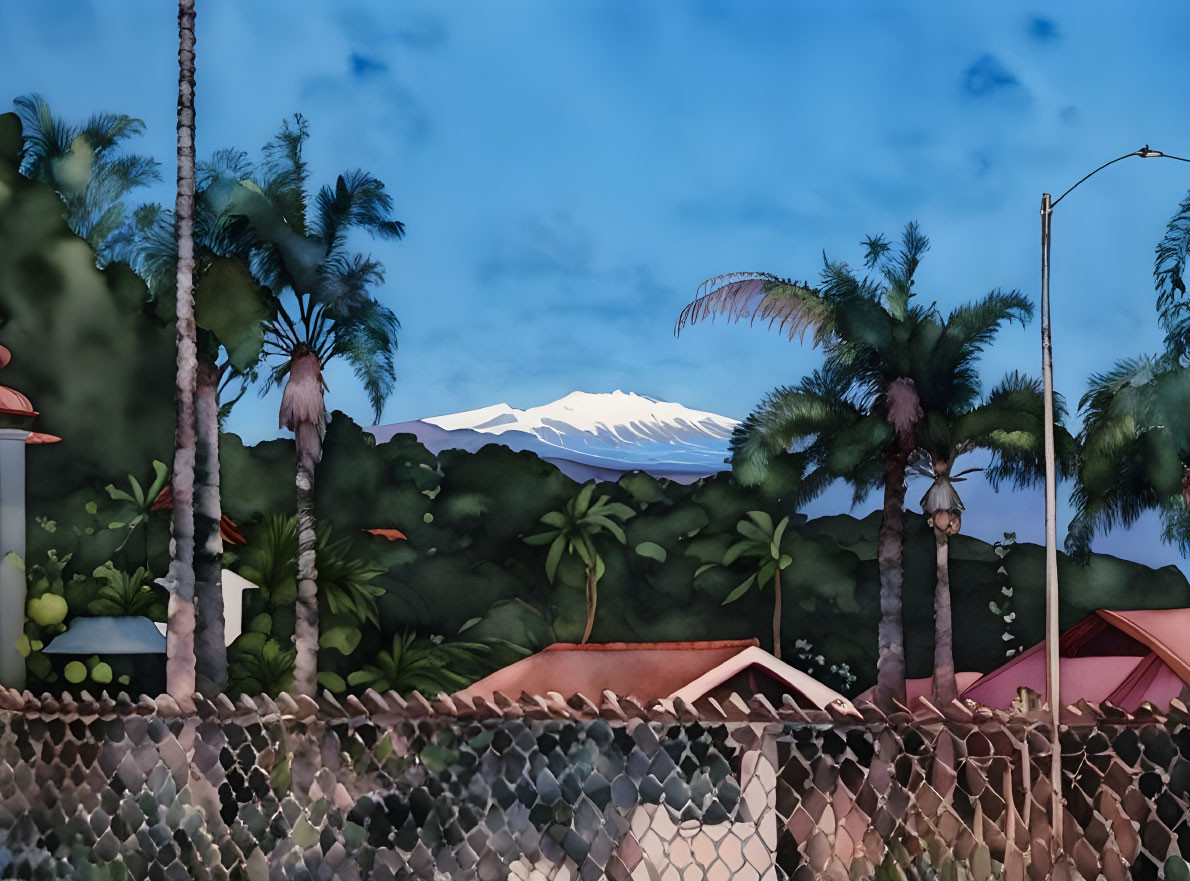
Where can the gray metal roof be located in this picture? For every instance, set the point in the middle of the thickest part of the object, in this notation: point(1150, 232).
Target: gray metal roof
point(109, 636)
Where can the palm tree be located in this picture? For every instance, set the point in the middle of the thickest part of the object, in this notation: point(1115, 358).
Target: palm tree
point(1135, 452)
point(761, 540)
point(179, 656)
point(888, 361)
point(230, 309)
point(1136, 437)
point(85, 166)
point(324, 310)
point(1008, 424)
point(573, 531)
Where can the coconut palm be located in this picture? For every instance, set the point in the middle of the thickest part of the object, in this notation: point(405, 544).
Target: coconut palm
point(574, 531)
point(761, 541)
point(888, 361)
point(1135, 452)
point(87, 168)
point(1009, 425)
point(324, 310)
point(179, 655)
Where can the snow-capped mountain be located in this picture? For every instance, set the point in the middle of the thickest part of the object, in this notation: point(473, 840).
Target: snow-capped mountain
point(588, 435)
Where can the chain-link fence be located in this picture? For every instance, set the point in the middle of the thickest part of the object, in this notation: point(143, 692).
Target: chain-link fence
point(546, 789)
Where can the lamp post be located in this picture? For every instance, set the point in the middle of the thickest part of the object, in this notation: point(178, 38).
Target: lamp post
point(1052, 629)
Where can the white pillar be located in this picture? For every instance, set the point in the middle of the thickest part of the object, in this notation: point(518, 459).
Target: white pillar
point(12, 540)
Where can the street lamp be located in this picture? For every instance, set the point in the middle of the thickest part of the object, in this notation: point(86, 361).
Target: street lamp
point(1052, 631)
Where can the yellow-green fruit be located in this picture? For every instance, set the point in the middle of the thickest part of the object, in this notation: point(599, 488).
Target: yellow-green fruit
point(102, 673)
point(47, 609)
point(76, 672)
point(24, 646)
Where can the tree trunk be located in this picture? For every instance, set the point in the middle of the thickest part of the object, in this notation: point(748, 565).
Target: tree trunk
point(210, 641)
point(592, 599)
point(890, 660)
point(945, 687)
point(777, 614)
point(303, 411)
point(179, 655)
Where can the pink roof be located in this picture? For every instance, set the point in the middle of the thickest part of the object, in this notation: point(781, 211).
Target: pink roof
point(1124, 679)
point(648, 671)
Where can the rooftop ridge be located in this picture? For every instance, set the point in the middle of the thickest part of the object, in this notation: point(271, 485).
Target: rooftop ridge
point(697, 645)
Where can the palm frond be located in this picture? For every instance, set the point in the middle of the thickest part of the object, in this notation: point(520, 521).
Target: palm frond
point(104, 131)
point(367, 338)
point(1169, 267)
point(286, 173)
point(785, 417)
point(358, 200)
point(227, 162)
point(794, 307)
point(45, 136)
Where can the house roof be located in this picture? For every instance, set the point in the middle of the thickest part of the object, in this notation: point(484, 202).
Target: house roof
point(134, 635)
point(1121, 657)
point(647, 671)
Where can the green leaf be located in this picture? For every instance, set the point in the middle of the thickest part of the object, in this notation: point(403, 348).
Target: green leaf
point(583, 500)
point(754, 532)
point(653, 551)
point(543, 538)
point(91, 508)
point(15, 559)
point(775, 546)
point(600, 568)
point(344, 638)
point(766, 572)
point(703, 568)
point(737, 550)
point(614, 509)
point(118, 494)
point(469, 623)
point(554, 557)
point(161, 475)
point(137, 491)
point(763, 520)
point(784, 561)
point(610, 525)
point(332, 682)
point(740, 591)
point(554, 518)
point(228, 302)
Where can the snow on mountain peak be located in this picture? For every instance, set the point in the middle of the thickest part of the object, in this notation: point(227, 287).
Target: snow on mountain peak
point(609, 432)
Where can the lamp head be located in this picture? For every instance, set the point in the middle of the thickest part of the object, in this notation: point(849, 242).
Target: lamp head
point(1145, 153)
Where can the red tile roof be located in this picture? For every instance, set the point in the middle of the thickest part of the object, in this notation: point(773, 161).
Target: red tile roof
point(649, 671)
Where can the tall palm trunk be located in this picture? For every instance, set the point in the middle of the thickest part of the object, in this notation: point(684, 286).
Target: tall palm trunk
point(777, 614)
point(592, 599)
point(303, 411)
point(904, 412)
point(210, 642)
point(179, 654)
point(890, 660)
point(945, 687)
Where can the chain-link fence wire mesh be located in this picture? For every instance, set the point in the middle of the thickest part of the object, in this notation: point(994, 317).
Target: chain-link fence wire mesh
point(88, 791)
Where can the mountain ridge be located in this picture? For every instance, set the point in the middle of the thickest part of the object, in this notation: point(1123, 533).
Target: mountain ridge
point(588, 434)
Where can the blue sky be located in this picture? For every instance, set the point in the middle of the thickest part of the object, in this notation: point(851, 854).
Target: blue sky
point(569, 172)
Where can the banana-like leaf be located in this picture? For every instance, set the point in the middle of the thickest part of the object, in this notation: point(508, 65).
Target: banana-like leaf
point(543, 538)
point(609, 525)
point(739, 549)
point(775, 545)
point(763, 520)
point(740, 590)
point(554, 518)
point(555, 557)
point(754, 532)
point(583, 500)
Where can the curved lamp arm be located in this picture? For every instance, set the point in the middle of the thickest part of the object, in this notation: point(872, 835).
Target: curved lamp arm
point(1144, 153)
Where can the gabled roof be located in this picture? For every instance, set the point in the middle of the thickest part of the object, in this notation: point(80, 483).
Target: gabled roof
point(649, 671)
point(1121, 657)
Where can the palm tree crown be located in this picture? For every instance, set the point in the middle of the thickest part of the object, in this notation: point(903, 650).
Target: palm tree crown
point(87, 168)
